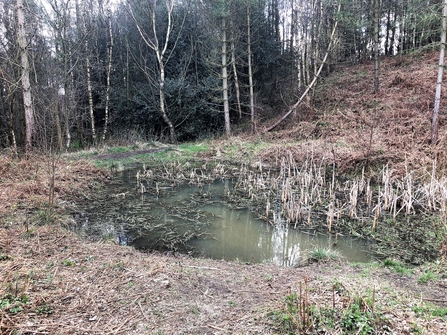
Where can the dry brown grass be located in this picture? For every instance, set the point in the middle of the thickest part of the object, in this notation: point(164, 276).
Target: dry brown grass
point(25, 182)
point(352, 126)
point(60, 284)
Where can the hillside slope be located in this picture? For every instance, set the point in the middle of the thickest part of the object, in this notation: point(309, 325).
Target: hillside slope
point(350, 124)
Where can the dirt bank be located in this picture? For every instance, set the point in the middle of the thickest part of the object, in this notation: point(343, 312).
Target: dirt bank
point(57, 283)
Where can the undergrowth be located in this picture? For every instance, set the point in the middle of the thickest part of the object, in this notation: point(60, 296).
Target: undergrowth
point(347, 313)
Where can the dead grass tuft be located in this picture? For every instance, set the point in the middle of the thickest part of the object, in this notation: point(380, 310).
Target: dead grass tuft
point(25, 182)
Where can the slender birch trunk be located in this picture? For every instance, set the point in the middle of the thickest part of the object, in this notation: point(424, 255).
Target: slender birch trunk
point(89, 82)
point(250, 73)
point(376, 44)
point(25, 74)
point(109, 71)
point(236, 81)
point(225, 79)
point(435, 116)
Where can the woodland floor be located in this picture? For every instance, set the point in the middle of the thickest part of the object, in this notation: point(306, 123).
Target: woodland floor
point(53, 282)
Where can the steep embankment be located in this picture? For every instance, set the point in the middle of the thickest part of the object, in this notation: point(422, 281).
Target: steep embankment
point(349, 124)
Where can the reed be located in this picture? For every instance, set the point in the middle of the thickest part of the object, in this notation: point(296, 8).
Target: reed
point(310, 193)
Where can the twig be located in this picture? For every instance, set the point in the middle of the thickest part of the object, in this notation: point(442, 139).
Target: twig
point(121, 326)
point(200, 267)
point(142, 312)
point(217, 328)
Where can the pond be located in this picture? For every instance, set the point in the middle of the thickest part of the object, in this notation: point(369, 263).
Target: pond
point(198, 221)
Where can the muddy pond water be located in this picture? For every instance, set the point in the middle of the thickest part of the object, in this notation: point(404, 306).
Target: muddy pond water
point(197, 220)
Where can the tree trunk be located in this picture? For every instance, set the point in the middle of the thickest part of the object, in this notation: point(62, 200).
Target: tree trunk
point(25, 73)
point(236, 81)
point(163, 104)
point(89, 82)
point(10, 120)
point(109, 71)
point(225, 80)
point(57, 121)
point(393, 31)
point(376, 44)
point(435, 116)
point(250, 73)
point(388, 28)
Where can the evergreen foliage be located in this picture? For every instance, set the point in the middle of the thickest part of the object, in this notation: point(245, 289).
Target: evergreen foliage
point(288, 39)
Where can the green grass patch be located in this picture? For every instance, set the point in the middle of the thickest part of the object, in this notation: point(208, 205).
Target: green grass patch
point(44, 310)
point(13, 304)
point(68, 262)
point(397, 266)
point(321, 255)
point(119, 149)
point(299, 316)
point(430, 311)
point(181, 152)
point(426, 276)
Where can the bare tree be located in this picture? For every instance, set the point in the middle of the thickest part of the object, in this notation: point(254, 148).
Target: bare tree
point(25, 75)
point(435, 115)
point(376, 44)
point(159, 45)
point(109, 71)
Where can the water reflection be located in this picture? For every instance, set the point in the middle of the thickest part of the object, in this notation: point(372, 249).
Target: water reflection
point(238, 235)
point(231, 234)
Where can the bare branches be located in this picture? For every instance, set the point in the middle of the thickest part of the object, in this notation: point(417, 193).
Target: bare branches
point(314, 79)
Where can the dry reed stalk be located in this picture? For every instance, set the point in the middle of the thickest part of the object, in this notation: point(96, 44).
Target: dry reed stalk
point(362, 182)
point(267, 210)
point(330, 216)
point(386, 182)
point(369, 194)
point(353, 198)
point(137, 177)
point(376, 211)
point(395, 198)
point(309, 215)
